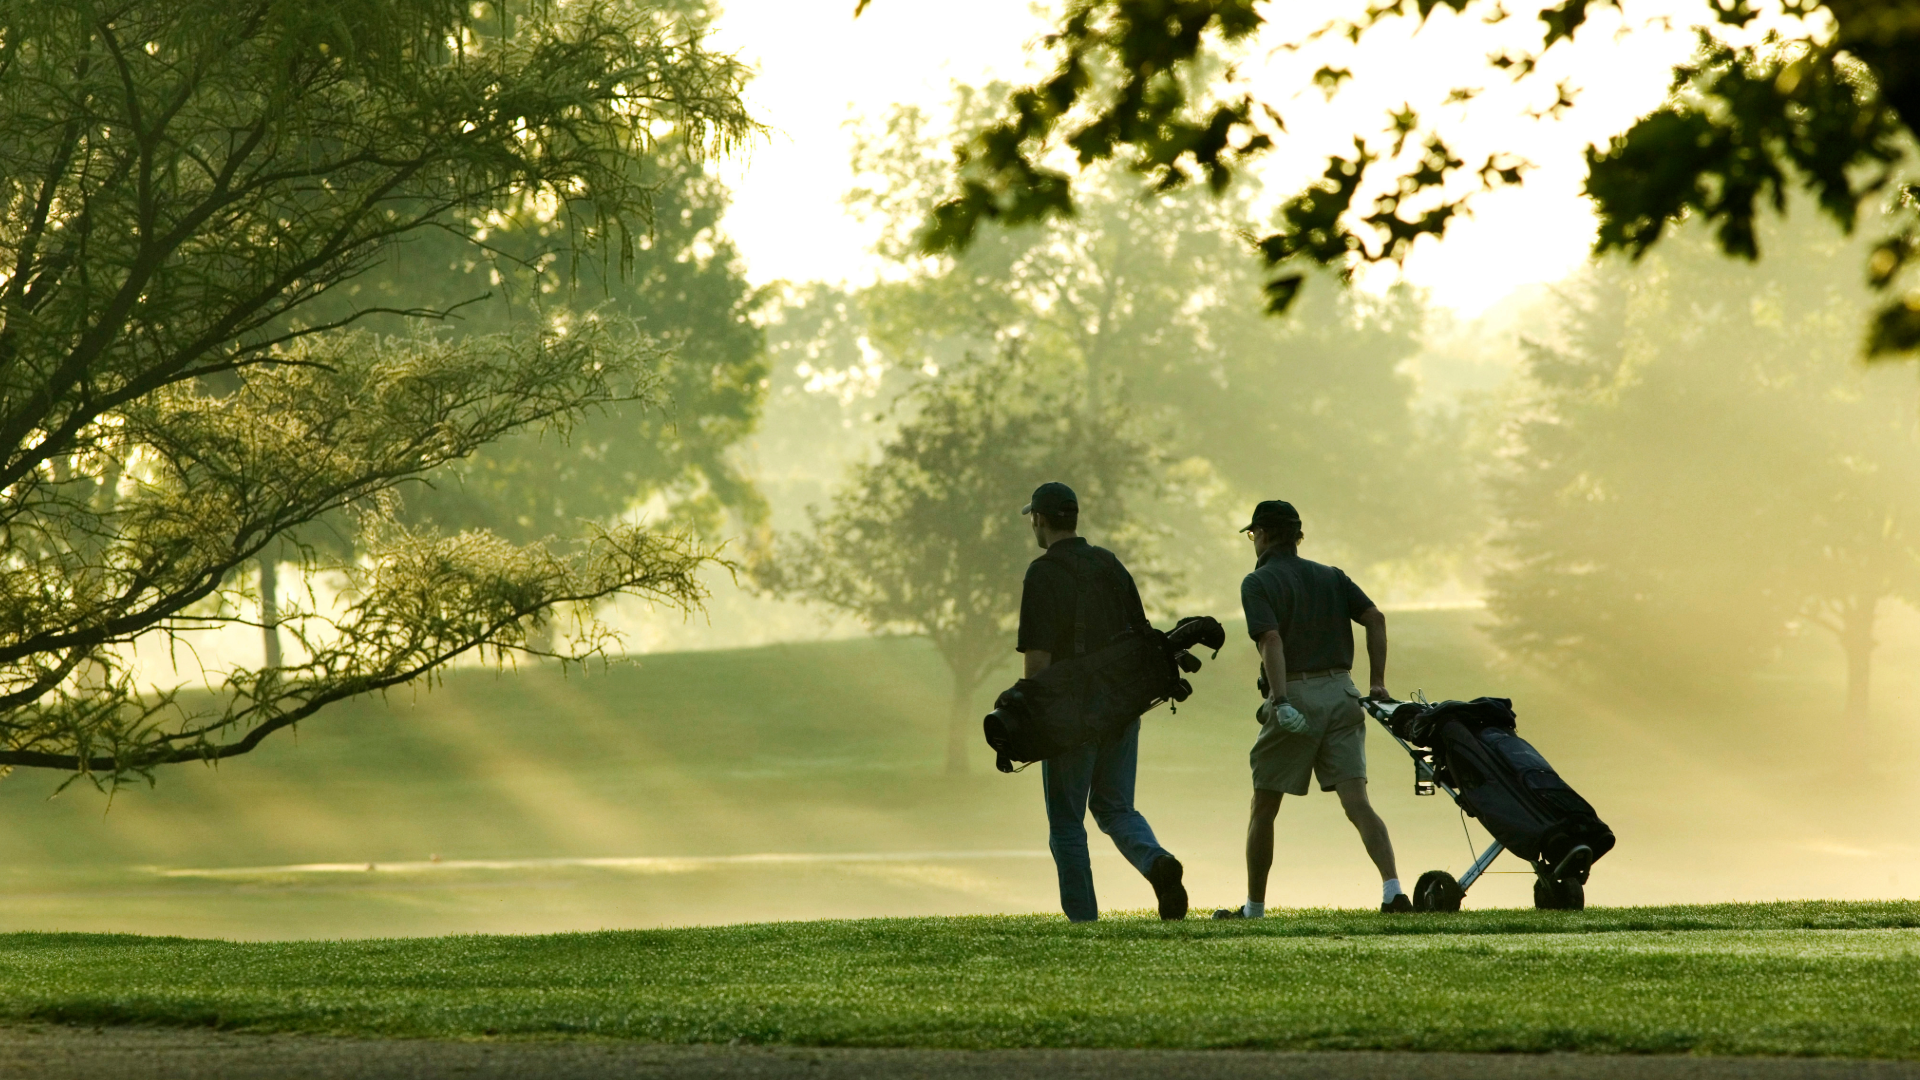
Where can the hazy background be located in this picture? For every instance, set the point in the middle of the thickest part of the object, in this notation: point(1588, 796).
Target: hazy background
point(1662, 507)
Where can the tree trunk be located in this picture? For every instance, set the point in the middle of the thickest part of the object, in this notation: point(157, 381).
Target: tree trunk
point(960, 728)
point(270, 609)
point(1856, 640)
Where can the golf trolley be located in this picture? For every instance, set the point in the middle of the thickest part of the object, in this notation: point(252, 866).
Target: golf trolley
point(1505, 804)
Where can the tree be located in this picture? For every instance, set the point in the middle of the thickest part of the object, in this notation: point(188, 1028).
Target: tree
point(181, 182)
point(682, 285)
point(1698, 468)
point(1824, 99)
point(1151, 298)
point(926, 538)
point(828, 394)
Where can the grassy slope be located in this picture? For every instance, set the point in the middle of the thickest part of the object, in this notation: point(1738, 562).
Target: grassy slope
point(1723, 980)
point(835, 747)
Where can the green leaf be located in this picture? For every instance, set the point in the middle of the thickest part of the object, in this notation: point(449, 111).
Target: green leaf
point(1282, 291)
point(1895, 331)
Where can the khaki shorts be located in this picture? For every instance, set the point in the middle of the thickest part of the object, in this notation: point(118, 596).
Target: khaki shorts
point(1334, 746)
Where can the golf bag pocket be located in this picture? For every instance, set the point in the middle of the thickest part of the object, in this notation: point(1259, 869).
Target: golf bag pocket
point(1506, 783)
point(1031, 722)
point(1537, 776)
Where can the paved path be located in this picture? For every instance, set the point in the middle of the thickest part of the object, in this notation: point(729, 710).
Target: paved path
point(56, 1053)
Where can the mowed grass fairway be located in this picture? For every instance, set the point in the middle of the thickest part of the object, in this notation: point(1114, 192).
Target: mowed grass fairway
point(1793, 978)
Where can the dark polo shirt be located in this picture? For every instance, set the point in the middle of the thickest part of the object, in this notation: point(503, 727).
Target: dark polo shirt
point(1052, 590)
point(1313, 606)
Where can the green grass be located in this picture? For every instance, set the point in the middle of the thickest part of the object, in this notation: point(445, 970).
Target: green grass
point(1788, 978)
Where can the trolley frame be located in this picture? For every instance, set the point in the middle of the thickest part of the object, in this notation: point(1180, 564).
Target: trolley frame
point(1382, 710)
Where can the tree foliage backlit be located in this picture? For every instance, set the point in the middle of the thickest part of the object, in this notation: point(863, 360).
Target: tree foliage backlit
point(1820, 95)
point(179, 182)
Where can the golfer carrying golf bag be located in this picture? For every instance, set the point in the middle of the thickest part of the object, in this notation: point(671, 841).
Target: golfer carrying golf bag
point(1100, 772)
point(1299, 614)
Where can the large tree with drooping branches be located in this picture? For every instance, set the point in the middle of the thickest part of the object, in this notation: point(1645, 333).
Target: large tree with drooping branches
point(182, 182)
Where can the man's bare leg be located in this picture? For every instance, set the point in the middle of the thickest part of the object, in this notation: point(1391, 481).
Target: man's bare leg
point(1373, 831)
point(1266, 804)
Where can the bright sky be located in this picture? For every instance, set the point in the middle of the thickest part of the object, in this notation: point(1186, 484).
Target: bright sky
point(820, 67)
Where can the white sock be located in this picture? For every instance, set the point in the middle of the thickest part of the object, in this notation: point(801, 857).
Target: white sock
point(1390, 889)
point(1254, 909)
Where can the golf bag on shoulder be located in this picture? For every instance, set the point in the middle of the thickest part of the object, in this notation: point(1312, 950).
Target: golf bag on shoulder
point(1091, 694)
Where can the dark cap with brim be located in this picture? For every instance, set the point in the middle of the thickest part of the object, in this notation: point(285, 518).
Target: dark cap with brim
point(1273, 514)
point(1052, 498)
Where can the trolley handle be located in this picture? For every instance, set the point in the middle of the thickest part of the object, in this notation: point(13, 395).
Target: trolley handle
point(1380, 708)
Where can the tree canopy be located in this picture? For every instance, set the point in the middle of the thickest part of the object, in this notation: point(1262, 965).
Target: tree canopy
point(1822, 96)
point(1151, 300)
point(682, 286)
point(182, 181)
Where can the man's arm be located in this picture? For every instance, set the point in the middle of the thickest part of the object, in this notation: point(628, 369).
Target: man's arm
point(1273, 654)
point(1036, 620)
point(1135, 612)
point(1376, 623)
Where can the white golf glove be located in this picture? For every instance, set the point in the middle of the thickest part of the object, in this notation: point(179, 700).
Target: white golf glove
point(1291, 720)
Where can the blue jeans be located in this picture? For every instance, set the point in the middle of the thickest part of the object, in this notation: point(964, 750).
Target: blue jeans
point(1098, 774)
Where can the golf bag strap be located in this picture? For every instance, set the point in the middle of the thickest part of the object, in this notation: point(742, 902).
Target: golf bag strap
point(1080, 607)
point(1084, 581)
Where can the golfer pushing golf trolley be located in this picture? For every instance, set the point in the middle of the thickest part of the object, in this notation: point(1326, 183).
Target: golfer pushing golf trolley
point(1469, 749)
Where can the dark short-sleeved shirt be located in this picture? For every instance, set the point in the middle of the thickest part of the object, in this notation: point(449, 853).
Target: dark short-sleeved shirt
point(1049, 598)
point(1313, 606)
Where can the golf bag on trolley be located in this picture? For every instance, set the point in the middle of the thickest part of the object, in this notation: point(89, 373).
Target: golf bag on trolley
point(1499, 778)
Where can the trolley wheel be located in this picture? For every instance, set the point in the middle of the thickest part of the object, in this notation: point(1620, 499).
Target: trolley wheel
point(1550, 895)
point(1437, 891)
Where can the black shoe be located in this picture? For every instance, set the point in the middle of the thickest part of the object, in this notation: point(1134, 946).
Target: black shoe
point(1164, 876)
point(1398, 904)
point(1230, 913)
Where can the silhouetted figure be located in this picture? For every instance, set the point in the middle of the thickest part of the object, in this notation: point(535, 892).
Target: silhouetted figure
point(1298, 614)
point(1099, 773)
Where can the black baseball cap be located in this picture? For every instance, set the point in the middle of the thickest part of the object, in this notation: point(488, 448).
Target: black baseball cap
point(1271, 515)
point(1052, 497)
